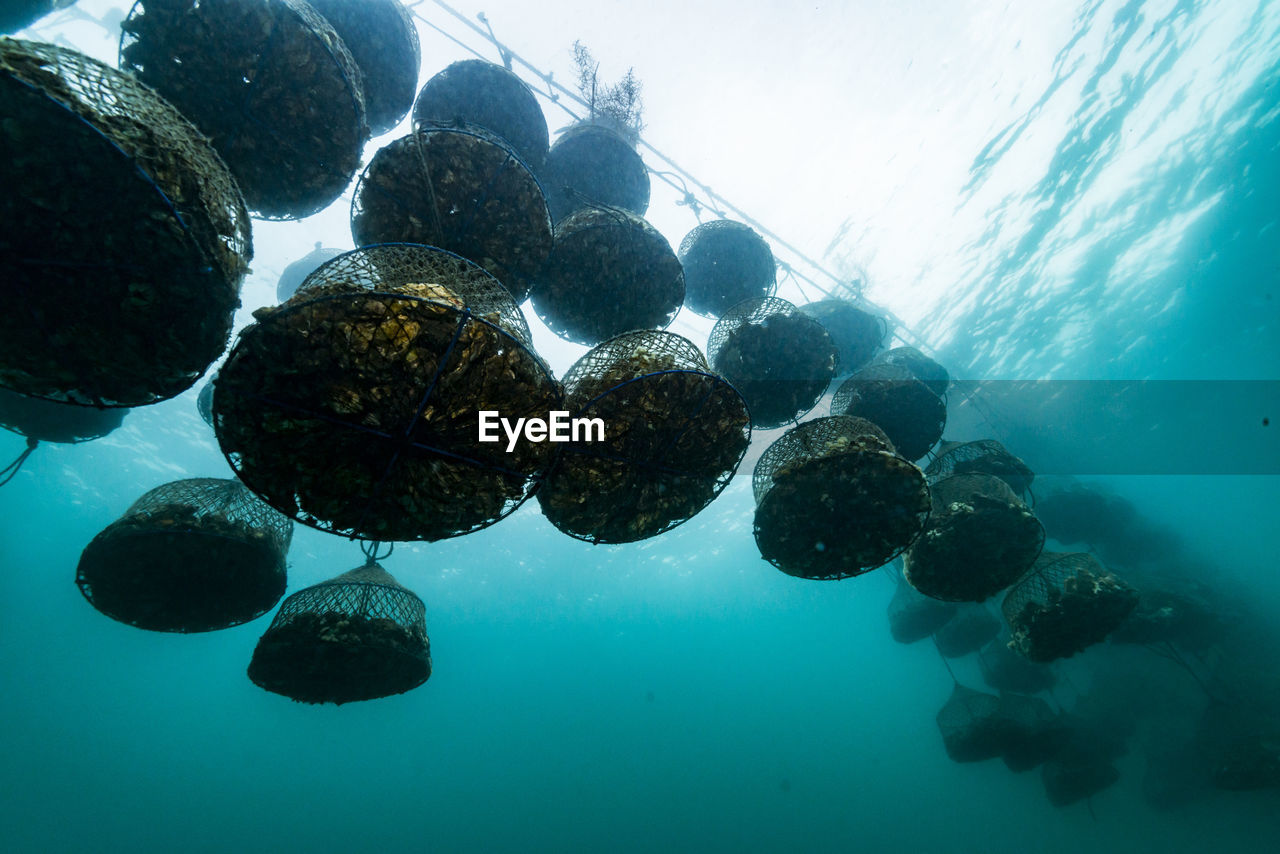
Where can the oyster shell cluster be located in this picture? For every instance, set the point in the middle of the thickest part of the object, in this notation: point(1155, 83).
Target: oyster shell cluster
point(1073, 616)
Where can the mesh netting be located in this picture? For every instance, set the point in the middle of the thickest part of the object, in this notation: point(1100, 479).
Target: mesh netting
point(1036, 733)
point(725, 262)
point(593, 165)
point(609, 272)
point(778, 359)
point(1023, 731)
point(674, 434)
point(914, 616)
point(356, 637)
point(1005, 670)
point(1065, 604)
point(981, 538)
point(910, 414)
point(355, 406)
point(204, 402)
point(1250, 762)
point(483, 93)
point(966, 632)
point(857, 331)
point(971, 725)
point(189, 556)
point(125, 237)
point(268, 81)
point(19, 14)
point(297, 272)
point(834, 501)
point(921, 367)
point(50, 421)
point(384, 44)
point(1070, 778)
point(461, 189)
point(985, 456)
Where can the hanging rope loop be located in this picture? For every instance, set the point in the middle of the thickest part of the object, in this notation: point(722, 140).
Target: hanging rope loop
point(373, 553)
point(10, 471)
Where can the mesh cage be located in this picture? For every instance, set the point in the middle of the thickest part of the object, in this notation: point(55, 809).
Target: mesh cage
point(395, 267)
point(857, 331)
point(778, 359)
point(1006, 671)
point(834, 501)
point(966, 632)
point(980, 539)
point(921, 367)
point(889, 395)
point(674, 434)
point(49, 421)
point(19, 14)
point(1067, 602)
point(189, 556)
point(1036, 733)
point(126, 238)
point(609, 272)
point(355, 407)
point(297, 272)
point(268, 81)
point(358, 636)
point(1070, 777)
point(485, 94)
point(985, 456)
point(592, 165)
point(971, 725)
point(725, 262)
point(461, 189)
point(914, 616)
point(204, 403)
point(384, 44)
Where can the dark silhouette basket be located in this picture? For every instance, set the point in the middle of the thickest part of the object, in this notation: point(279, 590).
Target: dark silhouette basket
point(354, 407)
point(674, 436)
point(384, 44)
point(359, 636)
point(127, 237)
point(725, 262)
point(461, 189)
point(189, 556)
point(833, 500)
point(270, 83)
point(592, 165)
point(891, 397)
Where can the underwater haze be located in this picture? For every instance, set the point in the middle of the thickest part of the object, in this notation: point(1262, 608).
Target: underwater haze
point(1081, 197)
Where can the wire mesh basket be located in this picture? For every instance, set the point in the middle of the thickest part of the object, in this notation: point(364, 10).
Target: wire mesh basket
point(914, 616)
point(49, 421)
point(384, 44)
point(778, 359)
point(461, 189)
point(592, 165)
point(355, 407)
point(1007, 671)
point(482, 93)
point(270, 83)
point(834, 501)
point(1066, 603)
point(673, 436)
point(725, 262)
point(126, 237)
point(609, 272)
point(857, 331)
point(921, 367)
point(984, 456)
point(891, 397)
point(966, 632)
point(359, 636)
point(981, 538)
point(189, 556)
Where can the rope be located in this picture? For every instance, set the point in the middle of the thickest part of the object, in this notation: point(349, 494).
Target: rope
point(10, 471)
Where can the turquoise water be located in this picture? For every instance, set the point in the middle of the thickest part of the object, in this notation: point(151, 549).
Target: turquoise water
point(1041, 191)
